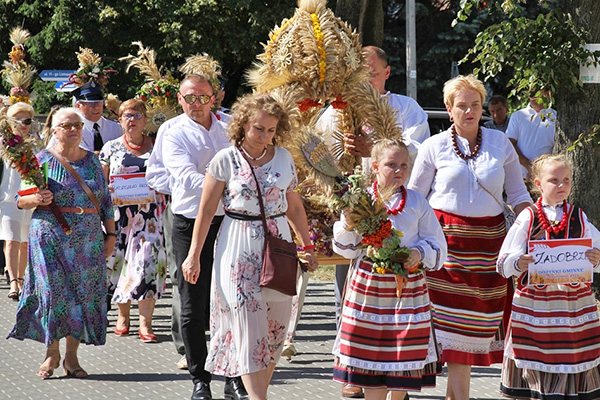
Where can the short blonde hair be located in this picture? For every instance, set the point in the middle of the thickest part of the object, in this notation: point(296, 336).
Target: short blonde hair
point(538, 165)
point(460, 83)
point(20, 107)
point(247, 107)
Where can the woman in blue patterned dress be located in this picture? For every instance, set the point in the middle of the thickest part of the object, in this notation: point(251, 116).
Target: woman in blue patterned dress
point(138, 264)
point(65, 283)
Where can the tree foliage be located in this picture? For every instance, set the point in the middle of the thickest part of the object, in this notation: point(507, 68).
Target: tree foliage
point(230, 31)
point(543, 51)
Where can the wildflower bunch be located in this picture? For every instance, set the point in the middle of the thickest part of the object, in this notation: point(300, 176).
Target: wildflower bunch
point(19, 153)
point(90, 68)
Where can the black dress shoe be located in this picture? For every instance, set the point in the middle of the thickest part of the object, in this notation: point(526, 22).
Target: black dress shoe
point(202, 391)
point(235, 390)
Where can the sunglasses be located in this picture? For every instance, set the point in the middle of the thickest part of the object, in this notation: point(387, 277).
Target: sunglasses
point(191, 98)
point(26, 121)
point(67, 126)
point(136, 116)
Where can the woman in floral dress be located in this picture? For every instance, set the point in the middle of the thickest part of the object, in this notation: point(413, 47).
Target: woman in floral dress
point(248, 323)
point(137, 267)
point(65, 283)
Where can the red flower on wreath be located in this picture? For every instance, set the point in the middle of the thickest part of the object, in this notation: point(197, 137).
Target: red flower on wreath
point(338, 103)
point(305, 104)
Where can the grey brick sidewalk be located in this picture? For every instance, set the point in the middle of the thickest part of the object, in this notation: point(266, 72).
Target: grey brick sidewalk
point(126, 368)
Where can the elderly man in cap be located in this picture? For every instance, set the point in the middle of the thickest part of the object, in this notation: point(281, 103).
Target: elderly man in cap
point(97, 130)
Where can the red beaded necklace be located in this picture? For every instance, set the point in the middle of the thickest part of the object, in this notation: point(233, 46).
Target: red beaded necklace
point(397, 210)
point(133, 147)
point(544, 220)
point(459, 153)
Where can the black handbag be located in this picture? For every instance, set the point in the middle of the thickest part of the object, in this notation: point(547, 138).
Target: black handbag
point(280, 257)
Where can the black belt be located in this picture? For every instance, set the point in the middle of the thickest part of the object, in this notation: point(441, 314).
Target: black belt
point(245, 217)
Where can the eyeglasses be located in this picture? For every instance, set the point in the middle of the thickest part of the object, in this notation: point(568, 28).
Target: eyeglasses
point(136, 116)
point(191, 98)
point(67, 126)
point(26, 121)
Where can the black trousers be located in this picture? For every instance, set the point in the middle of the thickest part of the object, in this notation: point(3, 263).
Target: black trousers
point(194, 299)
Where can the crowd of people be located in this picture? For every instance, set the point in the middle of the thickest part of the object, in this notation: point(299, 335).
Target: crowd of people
point(202, 224)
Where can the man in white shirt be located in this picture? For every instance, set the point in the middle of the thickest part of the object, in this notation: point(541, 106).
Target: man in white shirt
point(531, 130)
point(410, 116)
point(187, 148)
point(97, 130)
point(158, 179)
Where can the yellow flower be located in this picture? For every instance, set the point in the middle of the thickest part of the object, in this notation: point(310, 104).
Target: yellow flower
point(322, 55)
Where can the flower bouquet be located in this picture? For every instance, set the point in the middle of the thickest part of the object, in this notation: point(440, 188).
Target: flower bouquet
point(90, 68)
point(367, 215)
point(19, 153)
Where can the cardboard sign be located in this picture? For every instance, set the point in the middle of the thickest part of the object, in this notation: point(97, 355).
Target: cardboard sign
point(130, 189)
point(560, 261)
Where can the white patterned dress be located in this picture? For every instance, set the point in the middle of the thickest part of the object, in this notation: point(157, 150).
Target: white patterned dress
point(248, 323)
point(137, 268)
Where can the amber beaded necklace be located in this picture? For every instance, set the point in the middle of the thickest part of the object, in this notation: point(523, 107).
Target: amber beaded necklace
point(459, 153)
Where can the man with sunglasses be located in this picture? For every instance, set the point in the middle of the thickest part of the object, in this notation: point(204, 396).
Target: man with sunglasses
point(188, 146)
point(97, 130)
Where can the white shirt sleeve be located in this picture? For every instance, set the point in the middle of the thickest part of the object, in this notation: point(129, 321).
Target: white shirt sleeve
point(432, 242)
point(345, 242)
point(514, 245)
point(180, 163)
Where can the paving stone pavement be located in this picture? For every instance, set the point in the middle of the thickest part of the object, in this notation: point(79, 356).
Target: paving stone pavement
point(126, 368)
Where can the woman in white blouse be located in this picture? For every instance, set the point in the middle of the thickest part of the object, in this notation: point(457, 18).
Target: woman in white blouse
point(14, 222)
point(463, 173)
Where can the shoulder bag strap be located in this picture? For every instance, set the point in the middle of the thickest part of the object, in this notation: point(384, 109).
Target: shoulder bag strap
point(78, 177)
point(260, 199)
point(501, 204)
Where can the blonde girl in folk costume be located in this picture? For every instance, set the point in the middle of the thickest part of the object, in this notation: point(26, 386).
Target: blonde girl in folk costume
point(386, 343)
point(553, 345)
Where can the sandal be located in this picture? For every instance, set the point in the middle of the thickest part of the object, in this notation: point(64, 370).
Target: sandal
point(14, 294)
point(76, 373)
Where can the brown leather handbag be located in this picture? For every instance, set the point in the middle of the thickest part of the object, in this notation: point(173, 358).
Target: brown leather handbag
point(280, 257)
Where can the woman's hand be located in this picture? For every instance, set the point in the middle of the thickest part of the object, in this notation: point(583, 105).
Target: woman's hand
point(593, 255)
point(414, 259)
point(43, 197)
point(524, 261)
point(191, 269)
point(109, 245)
point(309, 258)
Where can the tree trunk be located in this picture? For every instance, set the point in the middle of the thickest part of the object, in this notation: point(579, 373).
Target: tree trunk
point(366, 16)
point(577, 112)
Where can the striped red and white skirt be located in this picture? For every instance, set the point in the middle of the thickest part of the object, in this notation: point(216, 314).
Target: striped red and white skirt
point(385, 341)
point(471, 301)
point(553, 345)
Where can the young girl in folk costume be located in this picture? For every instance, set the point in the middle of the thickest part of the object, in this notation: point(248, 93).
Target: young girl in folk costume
point(385, 342)
point(553, 345)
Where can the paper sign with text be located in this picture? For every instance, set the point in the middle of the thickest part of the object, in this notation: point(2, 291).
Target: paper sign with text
point(130, 189)
point(560, 261)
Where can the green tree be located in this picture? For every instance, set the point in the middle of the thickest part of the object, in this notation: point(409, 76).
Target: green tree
point(230, 31)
